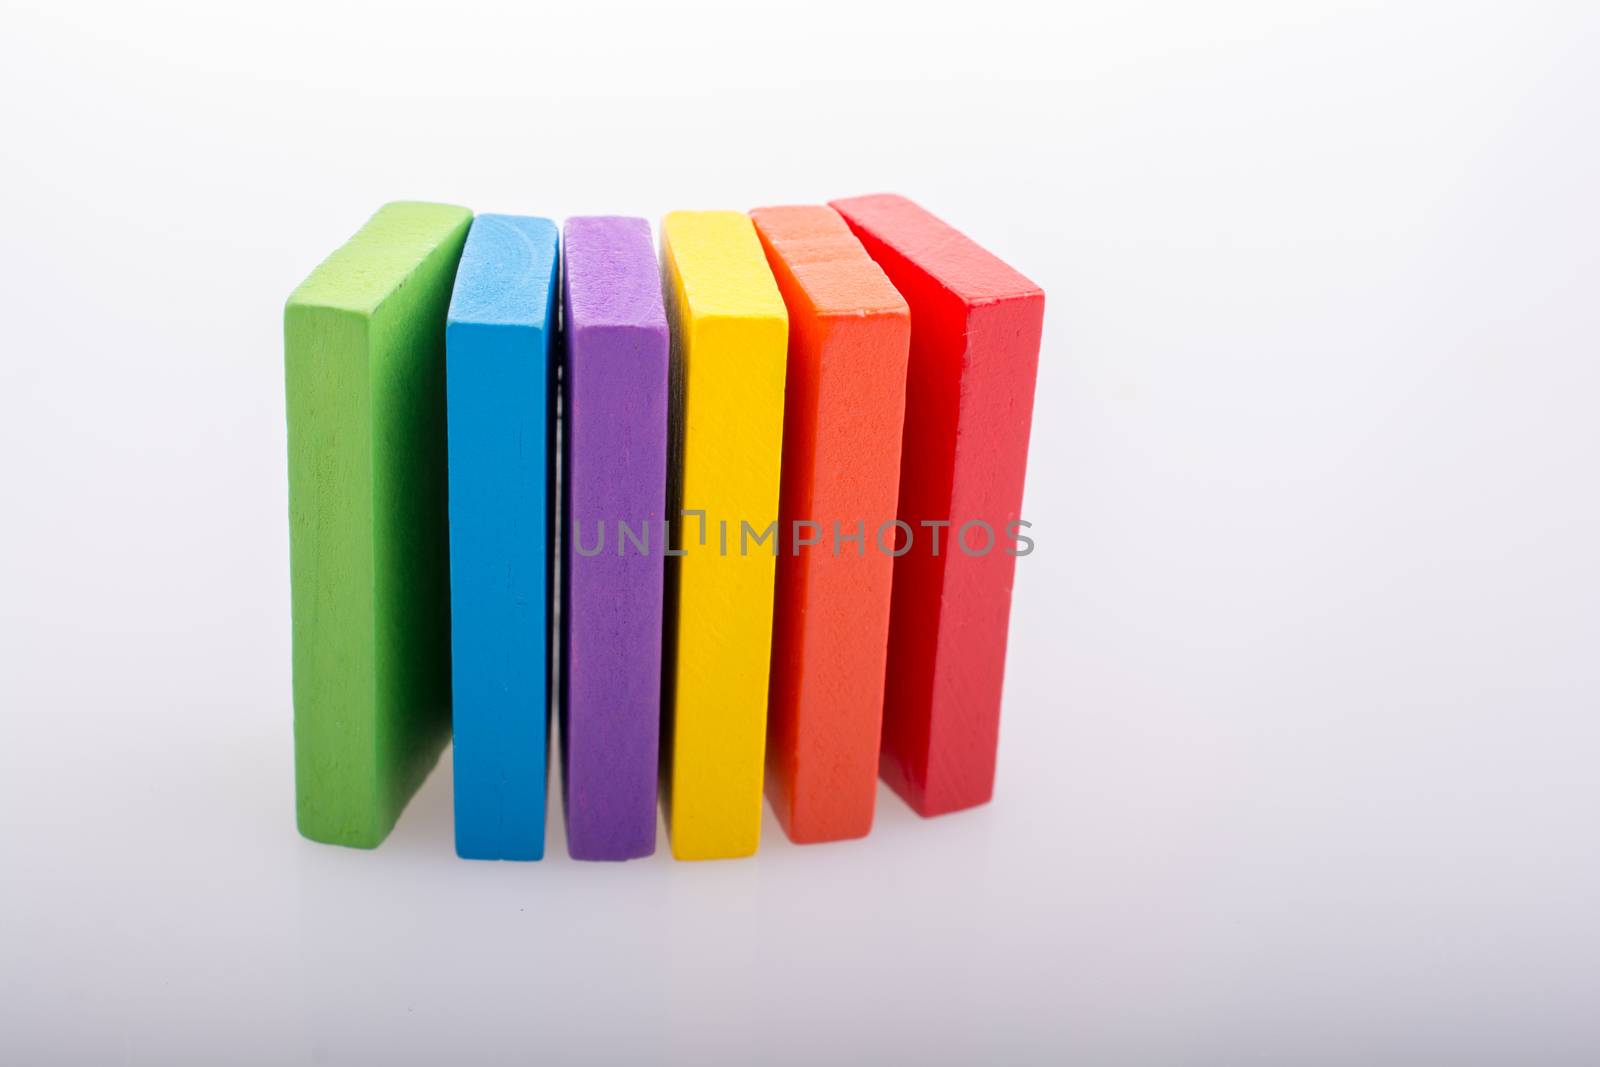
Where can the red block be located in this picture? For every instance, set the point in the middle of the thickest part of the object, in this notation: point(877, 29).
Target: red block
point(975, 328)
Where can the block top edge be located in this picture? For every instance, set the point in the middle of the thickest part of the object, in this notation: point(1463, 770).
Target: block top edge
point(827, 261)
point(361, 273)
point(936, 248)
point(507, 273)
point(612, 278)
point(720, 265)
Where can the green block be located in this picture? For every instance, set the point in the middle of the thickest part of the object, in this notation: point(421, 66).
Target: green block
point(363, 342)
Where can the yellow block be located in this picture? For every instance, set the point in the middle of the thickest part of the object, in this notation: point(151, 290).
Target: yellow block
point(729, 342)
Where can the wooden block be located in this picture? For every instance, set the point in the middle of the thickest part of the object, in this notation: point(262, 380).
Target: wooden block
point(364, 384)
point(975, 329)
point(615, 439)
point(849, 331)
point(729, 333)
point(501, 378)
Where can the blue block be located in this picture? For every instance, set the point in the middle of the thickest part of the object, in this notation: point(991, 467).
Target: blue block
point(500, 393)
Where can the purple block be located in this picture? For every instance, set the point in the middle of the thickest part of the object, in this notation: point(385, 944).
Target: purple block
point(615, 442)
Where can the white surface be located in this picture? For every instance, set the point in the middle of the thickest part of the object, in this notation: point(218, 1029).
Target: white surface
point(1298, 760)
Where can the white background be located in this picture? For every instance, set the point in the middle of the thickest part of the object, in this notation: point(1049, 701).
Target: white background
point(1299, 752)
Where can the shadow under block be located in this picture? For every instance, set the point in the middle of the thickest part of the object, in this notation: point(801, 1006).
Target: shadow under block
point(364, 390)
point(975, 330)
point(849, 332)
point(500, 383)
point(729, 337)
point(615, 438)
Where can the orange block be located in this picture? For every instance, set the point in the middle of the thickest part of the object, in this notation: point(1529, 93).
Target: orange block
point(849, 339)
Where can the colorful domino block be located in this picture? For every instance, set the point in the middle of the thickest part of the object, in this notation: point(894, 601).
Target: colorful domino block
point(975, 330)
point(364, 385)
point(615, 439)
point(501, 381)
point(849, 331)
point(729, 336)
